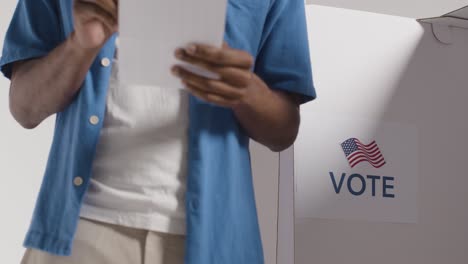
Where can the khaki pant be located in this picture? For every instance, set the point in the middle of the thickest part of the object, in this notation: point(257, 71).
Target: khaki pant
point(101, 243)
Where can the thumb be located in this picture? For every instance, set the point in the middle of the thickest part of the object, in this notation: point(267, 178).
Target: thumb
point(94, 34)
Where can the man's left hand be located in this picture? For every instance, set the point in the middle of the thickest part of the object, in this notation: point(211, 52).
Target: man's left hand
point(235, 82)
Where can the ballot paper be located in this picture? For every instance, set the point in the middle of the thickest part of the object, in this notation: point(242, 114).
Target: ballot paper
point(151, 30)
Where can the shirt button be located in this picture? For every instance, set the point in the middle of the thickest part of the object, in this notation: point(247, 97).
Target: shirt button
point(94, 120)
point(78, 181)
point(105, 62)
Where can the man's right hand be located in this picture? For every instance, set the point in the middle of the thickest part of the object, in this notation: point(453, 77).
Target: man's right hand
point(46, 85)
point(95, 21)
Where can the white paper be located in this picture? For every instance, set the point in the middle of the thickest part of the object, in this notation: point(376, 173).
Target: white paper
point(151, 30)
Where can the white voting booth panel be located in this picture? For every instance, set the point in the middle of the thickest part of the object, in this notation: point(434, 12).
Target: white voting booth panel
point(385, 79)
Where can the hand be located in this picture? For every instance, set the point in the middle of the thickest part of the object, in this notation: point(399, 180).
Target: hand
point(95, 21)
point(236, 83)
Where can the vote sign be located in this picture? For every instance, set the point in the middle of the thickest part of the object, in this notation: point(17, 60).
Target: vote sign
point(356, 169)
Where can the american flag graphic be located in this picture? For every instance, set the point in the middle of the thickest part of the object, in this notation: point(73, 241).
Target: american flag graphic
point(357, 152)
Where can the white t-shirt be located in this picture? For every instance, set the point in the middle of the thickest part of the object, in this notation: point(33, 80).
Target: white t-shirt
point(139, 173)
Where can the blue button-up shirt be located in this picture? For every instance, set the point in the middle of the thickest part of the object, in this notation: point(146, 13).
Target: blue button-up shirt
point(221, 214)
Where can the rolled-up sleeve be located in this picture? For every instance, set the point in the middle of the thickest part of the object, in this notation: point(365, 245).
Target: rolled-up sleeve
point(283, 60)
point(33, 32)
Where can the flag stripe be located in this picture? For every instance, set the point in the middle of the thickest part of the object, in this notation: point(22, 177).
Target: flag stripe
point(363, 158)
point(370, 161)
point(378, 165)
point(370, 150)
point(375, 166)
point(364, 153)
point(368, 147)
point(360, 143)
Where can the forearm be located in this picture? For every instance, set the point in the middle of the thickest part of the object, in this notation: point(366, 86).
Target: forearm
point(270, 117)
point(42, 87)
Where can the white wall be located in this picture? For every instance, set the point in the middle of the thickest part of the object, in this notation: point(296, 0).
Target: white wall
point(24, 154)
point(391, 69)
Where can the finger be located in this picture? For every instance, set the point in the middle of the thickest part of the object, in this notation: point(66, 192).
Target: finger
point(208, 85)
point(215, 87)
point(92, 34)
point(209, 97)
point(86, 12)
point(88, 7)
point(234, 76)
point(110, 6)
point(221, 56)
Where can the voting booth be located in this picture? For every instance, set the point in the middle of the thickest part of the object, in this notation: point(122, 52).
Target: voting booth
point(377, 174)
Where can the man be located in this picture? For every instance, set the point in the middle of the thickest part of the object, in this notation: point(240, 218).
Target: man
point(145, 174)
